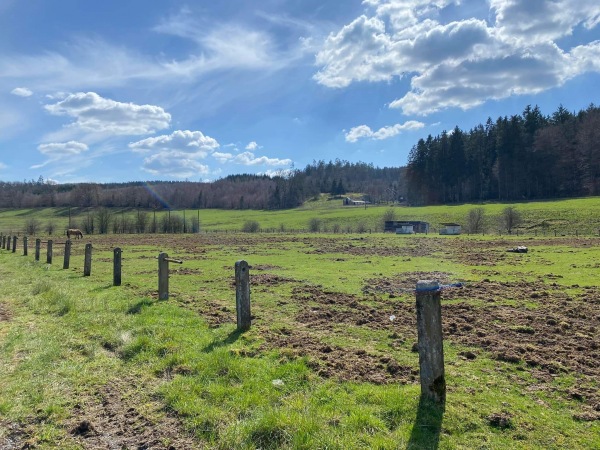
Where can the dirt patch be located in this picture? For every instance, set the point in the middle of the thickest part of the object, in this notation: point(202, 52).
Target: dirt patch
point(14, 436)
point(402, 283)
point(368, 247)
point(560, 335)
point(324, 310)
point(5, 314)
point(330, 361)
point(213, 312)
point(535, 324)
point(110, 422)
point(268, 279)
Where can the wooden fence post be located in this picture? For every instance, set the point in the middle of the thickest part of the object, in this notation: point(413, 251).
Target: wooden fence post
point(87, 264)
point(242, 295)
point(14, 248)
point(38, 244)
point(67, 259)
point(7, 243)
point(49, 252)
point(24, 245)
point(430, 343)
point(117, 267)
point(163, 277)
point(3, 242)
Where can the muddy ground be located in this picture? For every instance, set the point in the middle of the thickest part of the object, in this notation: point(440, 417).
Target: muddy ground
point(537, 326)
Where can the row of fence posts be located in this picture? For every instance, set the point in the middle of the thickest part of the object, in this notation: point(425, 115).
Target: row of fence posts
point(428, 305)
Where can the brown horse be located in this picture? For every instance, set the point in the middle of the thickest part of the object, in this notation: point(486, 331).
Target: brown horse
point(74, 232)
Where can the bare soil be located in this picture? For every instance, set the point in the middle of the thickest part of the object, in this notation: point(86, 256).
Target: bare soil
point(110, 422)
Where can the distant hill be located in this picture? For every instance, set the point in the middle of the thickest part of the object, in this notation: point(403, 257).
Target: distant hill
point(523, 157)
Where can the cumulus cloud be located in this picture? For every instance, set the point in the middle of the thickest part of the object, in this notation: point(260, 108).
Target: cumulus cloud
point(177, 154)
point(364, 131)
point(248, 159)
point(193, 142)
point(459, 63)
point(252, 146)
point(22, 92)
point(94, 113)
point(60, 149)
point(174, 164)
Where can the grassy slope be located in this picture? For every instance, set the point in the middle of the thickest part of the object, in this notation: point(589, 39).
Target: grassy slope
point(68, 336)
point(565, 216)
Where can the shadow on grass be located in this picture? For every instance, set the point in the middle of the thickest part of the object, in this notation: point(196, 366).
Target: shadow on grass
point(136, 308)
point(230, 339)
point(426, 430)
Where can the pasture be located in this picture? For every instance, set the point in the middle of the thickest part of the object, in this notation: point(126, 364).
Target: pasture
point(330, 359)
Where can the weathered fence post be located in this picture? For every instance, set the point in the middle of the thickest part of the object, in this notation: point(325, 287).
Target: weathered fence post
point(7, 243)
point(24, 245)
point(242, 295)
point(49, 252)
point(38, 244)
point(431, 348)
point(3, 242)
point(87, 264)
point(14, 248)
point(67, 259)
point(117, 267)
point(163, 277)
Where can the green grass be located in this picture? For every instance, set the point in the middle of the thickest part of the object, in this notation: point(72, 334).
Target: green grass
point(567, 216)
point(66, 337)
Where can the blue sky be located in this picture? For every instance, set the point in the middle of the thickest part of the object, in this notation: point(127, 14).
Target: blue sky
point(133, 90)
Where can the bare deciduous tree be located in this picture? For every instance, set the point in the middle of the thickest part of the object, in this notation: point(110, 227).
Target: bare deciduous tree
point(476, 220)
point(510, 218)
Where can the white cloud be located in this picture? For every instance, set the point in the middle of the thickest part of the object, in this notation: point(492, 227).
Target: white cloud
point(222, 157)
point(364, 131)
point(174, 164)
point(177, 154)
point(252, 146)
point(460, 63)
point(3, 166)
point(542, 20)
point(61, 149)
point(22, 92)
point(94, 113)
point(248, 159)
point(56, 152)
point(185, 141)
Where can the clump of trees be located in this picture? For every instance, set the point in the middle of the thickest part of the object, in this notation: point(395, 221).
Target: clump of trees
point(251, 226)
point(522, 157)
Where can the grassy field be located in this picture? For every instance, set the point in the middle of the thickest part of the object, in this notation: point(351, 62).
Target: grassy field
point(330, 360)
point(569, 216)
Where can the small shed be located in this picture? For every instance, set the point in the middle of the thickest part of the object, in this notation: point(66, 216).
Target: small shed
point(351, 202)
point(391, 226)
point(450, 228)
point(405, 229)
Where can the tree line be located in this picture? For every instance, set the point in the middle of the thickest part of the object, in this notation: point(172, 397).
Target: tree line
point(286, 190)
point(521, 157)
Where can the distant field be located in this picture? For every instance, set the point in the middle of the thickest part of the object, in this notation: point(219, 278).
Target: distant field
point(561, 216)
point(330, 360)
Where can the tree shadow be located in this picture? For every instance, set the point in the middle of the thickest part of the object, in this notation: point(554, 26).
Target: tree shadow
point(230, 339)
point(425, 434)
